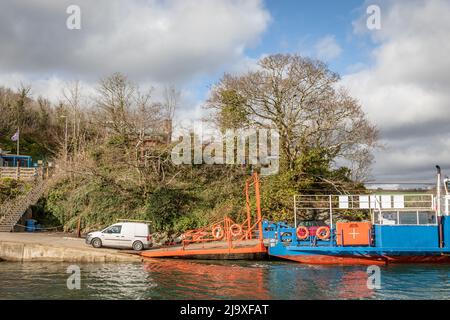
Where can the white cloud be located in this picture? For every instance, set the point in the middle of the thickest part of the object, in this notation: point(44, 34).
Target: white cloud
point(327, 48)
point(405, 92)
point(160, 41)
point(50, 87)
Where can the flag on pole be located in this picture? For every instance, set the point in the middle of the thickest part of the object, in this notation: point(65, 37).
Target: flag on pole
point(15, 137)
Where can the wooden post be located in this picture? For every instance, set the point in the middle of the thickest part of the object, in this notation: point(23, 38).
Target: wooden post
point(18, 170)
point(79, 227)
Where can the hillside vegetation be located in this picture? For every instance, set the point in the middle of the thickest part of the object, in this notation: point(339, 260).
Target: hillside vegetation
point(114, 150)
point(11, 189)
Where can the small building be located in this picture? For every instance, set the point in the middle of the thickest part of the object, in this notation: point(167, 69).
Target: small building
point(11, 160)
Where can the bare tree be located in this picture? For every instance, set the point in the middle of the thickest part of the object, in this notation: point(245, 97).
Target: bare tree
point(114, 100)
point(302, 99)
point(23, 97)
point(171, 96)
point(74, 113)
point(7, 109)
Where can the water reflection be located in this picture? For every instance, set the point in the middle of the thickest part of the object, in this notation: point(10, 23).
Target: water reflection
point(290, 281)
point(183, 279)
point(354, 286)
point(193, 280)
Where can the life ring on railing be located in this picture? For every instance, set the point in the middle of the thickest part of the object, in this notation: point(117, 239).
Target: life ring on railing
point(236, 230)
point(302, 232)
point(217, 232)
point(323, 233)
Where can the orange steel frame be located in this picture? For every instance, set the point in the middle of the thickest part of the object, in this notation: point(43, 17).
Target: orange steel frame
point(231, 246)
point(247, 228)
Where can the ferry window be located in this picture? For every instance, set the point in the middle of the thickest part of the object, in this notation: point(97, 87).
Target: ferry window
point(427, 217)
point(389, 218)
point(409, 217)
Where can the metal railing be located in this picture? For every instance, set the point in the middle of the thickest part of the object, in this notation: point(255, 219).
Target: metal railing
point(225, 230)
point(371, 203)
point(374, 202)
point(12, 211)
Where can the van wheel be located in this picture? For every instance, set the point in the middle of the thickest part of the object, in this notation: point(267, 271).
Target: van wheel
point(138, 246)
point(96, 243)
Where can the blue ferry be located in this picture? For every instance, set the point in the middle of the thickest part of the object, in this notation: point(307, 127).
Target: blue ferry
point(402, 228)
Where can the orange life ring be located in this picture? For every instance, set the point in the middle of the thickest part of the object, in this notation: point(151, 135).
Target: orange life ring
point(217, 232)
point(304, 230)
point(324, 236)
point(236, 230)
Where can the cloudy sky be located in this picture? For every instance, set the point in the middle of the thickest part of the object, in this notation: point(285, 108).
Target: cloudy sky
point(400, 73)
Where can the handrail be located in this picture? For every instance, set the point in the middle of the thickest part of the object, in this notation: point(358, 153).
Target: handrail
point(205, 234)
point(246, 234)
point(199, 234)
point(376, 204)
point(365, 202)
point(14, 209)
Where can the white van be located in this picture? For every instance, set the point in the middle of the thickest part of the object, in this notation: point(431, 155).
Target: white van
point(129, 235)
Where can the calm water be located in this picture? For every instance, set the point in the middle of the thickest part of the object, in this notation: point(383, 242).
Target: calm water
point(178, 279)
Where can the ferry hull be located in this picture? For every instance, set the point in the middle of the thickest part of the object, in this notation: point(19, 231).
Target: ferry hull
point(385, 244)
point(320, 259)
point(333, 260)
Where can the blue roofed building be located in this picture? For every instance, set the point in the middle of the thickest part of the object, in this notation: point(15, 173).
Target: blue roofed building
point(11, 160)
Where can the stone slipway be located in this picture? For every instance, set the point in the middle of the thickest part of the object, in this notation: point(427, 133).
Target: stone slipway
point(56, 247)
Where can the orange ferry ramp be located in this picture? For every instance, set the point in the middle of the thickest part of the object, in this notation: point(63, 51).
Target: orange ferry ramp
point(224, 239)
point(247, 249)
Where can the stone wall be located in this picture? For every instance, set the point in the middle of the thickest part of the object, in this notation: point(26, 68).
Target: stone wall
point(23, 252)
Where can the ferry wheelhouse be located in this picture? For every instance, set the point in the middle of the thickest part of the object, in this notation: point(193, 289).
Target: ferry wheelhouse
point(400, 228)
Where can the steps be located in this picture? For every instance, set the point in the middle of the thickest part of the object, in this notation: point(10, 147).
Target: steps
point(11, 212)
